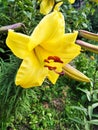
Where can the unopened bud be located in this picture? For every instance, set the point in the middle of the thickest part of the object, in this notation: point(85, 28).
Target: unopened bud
point(88, 35)
point(87, 46)
point(13, 26)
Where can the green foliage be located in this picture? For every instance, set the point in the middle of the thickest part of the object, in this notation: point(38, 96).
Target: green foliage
point(84, 111)
point(76, 17)
point(14, 101)
point(94, 20)
point(12, 11)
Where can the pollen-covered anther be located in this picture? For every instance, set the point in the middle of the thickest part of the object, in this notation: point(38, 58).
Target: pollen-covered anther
point(50, 67)
point(55, 59)
point(46, 60)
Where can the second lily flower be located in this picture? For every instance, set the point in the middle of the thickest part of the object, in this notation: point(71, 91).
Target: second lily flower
point(46, 6)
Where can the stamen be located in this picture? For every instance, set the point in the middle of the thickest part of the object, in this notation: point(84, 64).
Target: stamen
point(50, 67)
point(46, 60)
point(55, 59)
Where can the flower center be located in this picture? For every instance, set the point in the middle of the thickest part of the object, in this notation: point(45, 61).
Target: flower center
point(52, 59)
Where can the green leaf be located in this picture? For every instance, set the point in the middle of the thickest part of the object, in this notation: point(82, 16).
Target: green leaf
point(88, 94)
point(90, 111)
point(94, 122)
point(95, 105)
point(77, 120)
point(80, 109)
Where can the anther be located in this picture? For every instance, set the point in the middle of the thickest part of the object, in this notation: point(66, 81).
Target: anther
point(46, 60)
point(55, 59)
point(50, 67)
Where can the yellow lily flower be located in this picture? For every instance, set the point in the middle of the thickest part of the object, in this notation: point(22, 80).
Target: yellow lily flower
point(47, 6)
point(45, 52)
point(71, 1)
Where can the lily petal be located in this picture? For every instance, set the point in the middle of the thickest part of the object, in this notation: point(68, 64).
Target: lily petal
point(46, 6)
point(52, 76)
point(57, 6)
point(18, 43)
point(30, 73)
point(48, 28)
point(64, 48)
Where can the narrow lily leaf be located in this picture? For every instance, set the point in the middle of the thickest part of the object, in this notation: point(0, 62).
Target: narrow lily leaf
point(13, 26)
point(95, 115)
point(94, 122)
point(87, 46)
point(74, 73)
point(95, 105)
point(77, 120)
point(88, 94)
point(90, 112)
point(80, 108)
point(88, 35)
